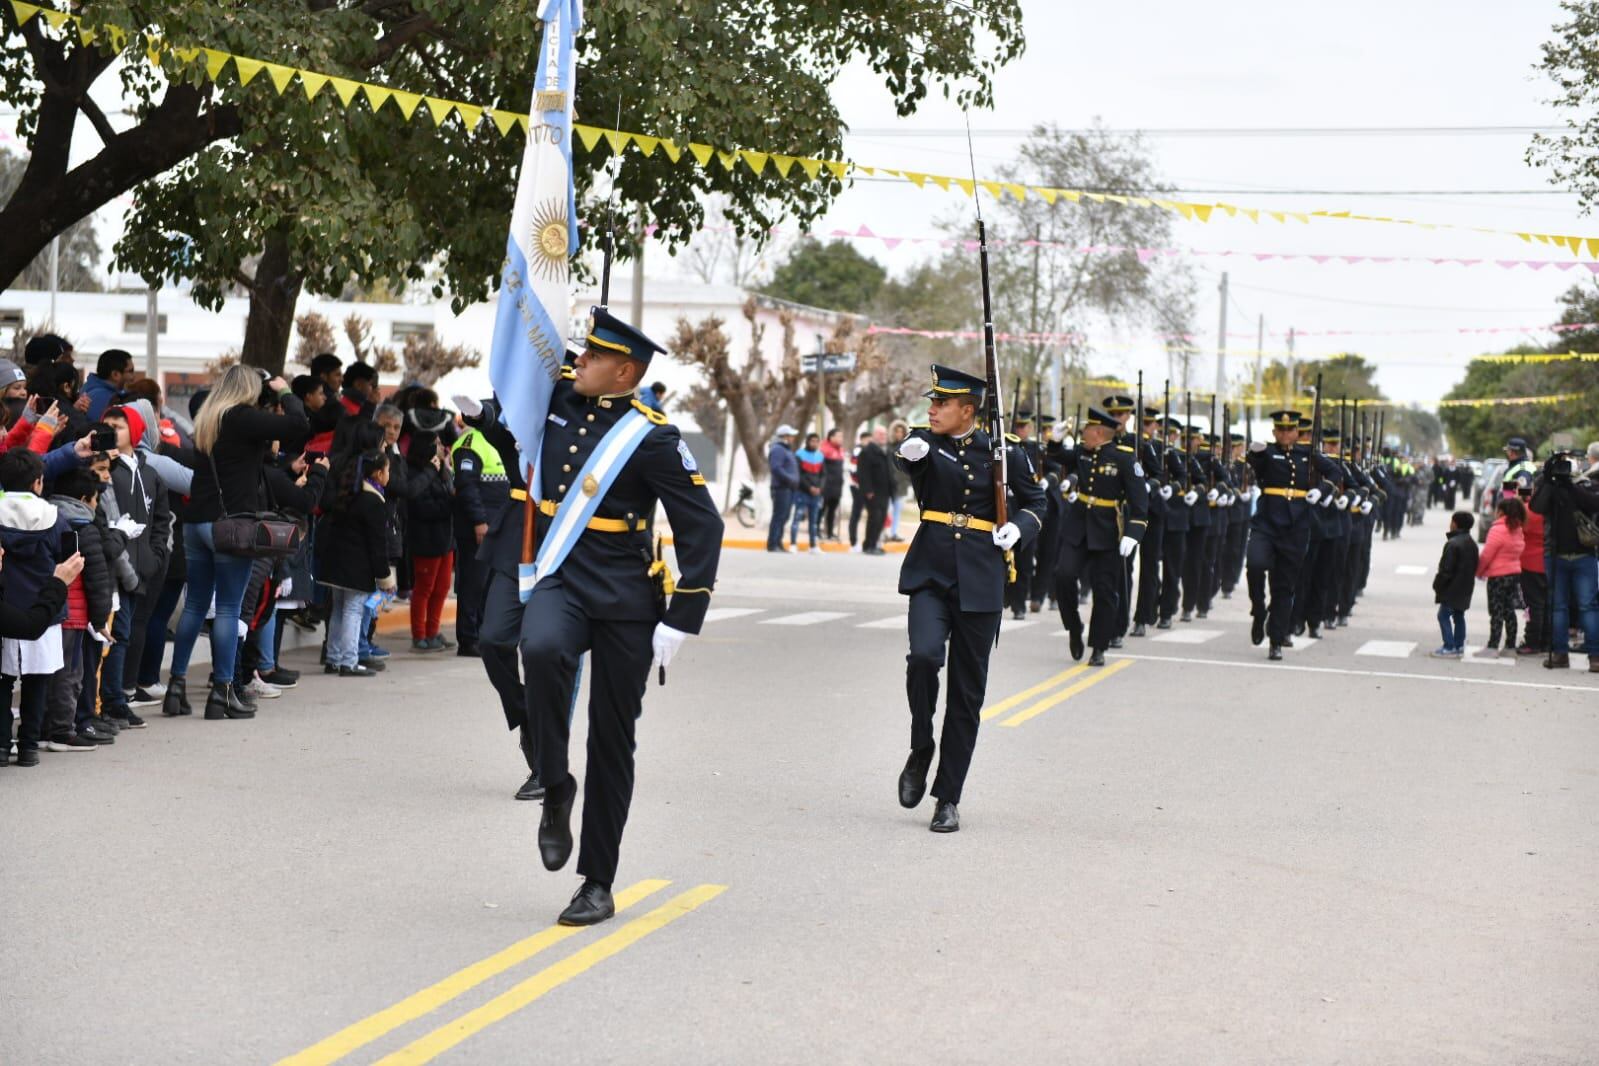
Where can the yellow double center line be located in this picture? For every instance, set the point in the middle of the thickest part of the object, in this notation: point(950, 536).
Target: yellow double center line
point(425, 1048)
point(1053, 697)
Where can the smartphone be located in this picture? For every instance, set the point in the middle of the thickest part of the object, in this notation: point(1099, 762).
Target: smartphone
point(42, 404)
point(69, 544)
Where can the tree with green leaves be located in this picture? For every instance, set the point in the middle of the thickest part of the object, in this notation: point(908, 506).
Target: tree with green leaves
point(833, 276)
point(1571, 62)
point(319, 193)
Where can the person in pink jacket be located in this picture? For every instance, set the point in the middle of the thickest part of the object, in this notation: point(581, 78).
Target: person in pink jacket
point(1500, 563)
point(1534, 582)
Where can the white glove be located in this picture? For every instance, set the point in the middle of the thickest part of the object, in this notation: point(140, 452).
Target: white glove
point(127, 526)
point(1190, 497)
point(1327, 501)
point(1341, 502)
point(1165, 492)
point(914, 449)
point(1006, 536)
point(1365, 508)
point(1257, 446)
point(1128, 544)
point(1211, 495)
point(467, 406)
point(1313, 497)
point(1226, 500)
point(665, 643)
point(1071, 496)
point(286, 589)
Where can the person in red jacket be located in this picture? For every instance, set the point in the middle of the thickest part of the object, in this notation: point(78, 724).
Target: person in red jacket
point(1499, 563)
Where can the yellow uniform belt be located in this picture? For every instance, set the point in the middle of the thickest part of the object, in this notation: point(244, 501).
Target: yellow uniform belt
point(959, 521)
point(598, 525)
point(1292, 494)
point(1095, 501)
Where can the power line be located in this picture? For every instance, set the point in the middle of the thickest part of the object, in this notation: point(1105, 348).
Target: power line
point(1230, 131)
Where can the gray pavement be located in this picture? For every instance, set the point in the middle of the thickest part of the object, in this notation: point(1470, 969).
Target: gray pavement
point(1198, 858)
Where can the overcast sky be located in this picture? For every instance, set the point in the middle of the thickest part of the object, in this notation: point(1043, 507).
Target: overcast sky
point(1254, 64)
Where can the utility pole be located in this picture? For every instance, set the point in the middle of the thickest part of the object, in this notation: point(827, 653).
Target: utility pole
point(1221, 345)
point(638, 274)
point(1260, 345)
point(152, 332)
point(821, 384)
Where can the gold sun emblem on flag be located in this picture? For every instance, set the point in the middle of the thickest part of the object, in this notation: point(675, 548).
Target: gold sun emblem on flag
point(549, 244)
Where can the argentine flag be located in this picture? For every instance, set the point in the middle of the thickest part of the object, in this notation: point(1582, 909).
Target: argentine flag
point(530, 325)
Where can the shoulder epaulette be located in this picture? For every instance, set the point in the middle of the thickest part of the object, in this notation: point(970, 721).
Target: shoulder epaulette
point(1011, 438)
point(649, 412)
point(1125, 447)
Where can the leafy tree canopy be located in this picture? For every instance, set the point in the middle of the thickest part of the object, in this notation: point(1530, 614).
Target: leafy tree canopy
point(833, 276)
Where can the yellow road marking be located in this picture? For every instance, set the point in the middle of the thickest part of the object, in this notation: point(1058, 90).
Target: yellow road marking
point(447, 1036)
point(1067, 693)
point(1022, 697)
point(412, 1007)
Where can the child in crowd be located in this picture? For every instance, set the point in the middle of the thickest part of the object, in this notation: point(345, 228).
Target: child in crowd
point(1500, 563)
point(1453, 585)
point(352, 555)
point(89, 597)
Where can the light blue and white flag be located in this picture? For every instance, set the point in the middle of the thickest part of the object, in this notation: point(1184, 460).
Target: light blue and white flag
point(530, 326)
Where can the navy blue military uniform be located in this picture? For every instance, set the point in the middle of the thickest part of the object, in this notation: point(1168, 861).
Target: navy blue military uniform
point(1024, 557)
point(480, 496)
point(1152, 548)
point(955, 577)
point(1049, 538)
point(1180, 473)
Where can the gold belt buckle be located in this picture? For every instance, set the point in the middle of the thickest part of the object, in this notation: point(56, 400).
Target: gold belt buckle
point(959, 521)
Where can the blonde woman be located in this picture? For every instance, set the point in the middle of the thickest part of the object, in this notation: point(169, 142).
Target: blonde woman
point(233, 434)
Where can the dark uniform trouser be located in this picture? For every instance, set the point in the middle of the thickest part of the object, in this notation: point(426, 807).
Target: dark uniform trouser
point(936, 620)
point(1215, 538)
point(1174, 553)
point(497, 643)
point(1351, 574)
point(1232, 564)
point(1276, 558)
point(1048, 546)
point(1305, 591)
point(1105, 575)
point(1150, 550)
point(1193, 564)
point(1330, 578)
point(876, 515)
point(1016, 592)
point(555, 634)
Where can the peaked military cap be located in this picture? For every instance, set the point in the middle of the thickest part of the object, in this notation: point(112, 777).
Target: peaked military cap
point(1210, 439)
point(1119, 404)
point(607, 333)
point(1306, 423)
point(1048, 420)
point(1096, 417)
point(1285, 419)
point(1151, 414)
point(1331, 433)
point(950, 382)
point(1021, 415)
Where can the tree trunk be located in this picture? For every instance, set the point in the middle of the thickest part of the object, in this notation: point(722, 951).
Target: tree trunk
point(272, 298)
point(50, 198)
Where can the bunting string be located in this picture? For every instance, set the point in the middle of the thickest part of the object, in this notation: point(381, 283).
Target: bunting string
point(214, 63)
point(1513, 401)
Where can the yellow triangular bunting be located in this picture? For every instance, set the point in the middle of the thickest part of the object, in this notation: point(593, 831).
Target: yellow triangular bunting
point(407, 102)
point(673, 152)
point(646, 144)
point(1048, 195)
point(918, 180)
point(215, 62)
point(470, 114)
point(728, 159)
point(186, 55)
point(702, 153)
point(345, 88)
point(1202, 211)
point(993, 188)
point(589, 135)
point(1593, 247)
point(1018, 191)
point(756, 160)
point(376, 95)
point(86, 35)
point(248, 68)
point(939, 180)
point(967, 186)
point(812, 168)
point(503, 121)
point(616, 139)
point(839, 169)
point(312, 83)
point(439, 109)
point(280, 75)
point(24, 11)
point(783, 163)
point(56, 19)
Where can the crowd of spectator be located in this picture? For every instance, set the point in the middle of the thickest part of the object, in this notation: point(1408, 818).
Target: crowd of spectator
point(113, 567)
point(808, 485)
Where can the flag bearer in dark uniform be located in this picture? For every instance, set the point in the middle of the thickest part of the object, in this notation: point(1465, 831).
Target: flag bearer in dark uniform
point(609, 597)
point(1180, 474)
point(1048, 470)
point(1107, 512)
point(1024, 558)
point(954, 573)
point(1151, 549)
point(1280, 531)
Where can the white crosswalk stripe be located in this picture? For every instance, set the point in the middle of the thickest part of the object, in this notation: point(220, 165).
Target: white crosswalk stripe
point(805, 618)
point(894, 622)
point(1302, 644)
point(1387, 649)
point(722, 614)
point(1011, 625)
point(1190, 636)
point(1410, 570)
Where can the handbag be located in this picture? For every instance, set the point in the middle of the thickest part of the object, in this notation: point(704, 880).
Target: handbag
point(268, 534)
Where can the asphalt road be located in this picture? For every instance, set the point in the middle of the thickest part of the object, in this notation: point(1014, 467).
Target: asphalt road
point(1190, 856)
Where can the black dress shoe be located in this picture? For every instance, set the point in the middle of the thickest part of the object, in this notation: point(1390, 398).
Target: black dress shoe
point(1075, 636)
point(1035, 606)
point(1226, 594)
point(1257, 630)
point(1276, 653)
point(1313, 632)
point(1187, 616)
point(946, 818)
point(1203, 613)
point(1097, 658)
point(1164, 623)
point(913, 779)
point(591, 905)
point(1299, 629)
point(1288, 642)
point(555, 829)
point(468, 650)
point(1138, 630)
point(532, 788)
point(1018, 614)
point(1115, 642)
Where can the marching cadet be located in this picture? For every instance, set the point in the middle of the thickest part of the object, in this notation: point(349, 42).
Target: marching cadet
point(1121, 408)
point(1280, 531)
point(1179, 473)
point(1201, 518)
point(1304, 616)
point(1048, 470)
point(1151, 549)
point(1333, 553)
point(954, 572)
point(1216, 533)
point(1232, 552)
point(1024, 558)
point(1106, 515)
point(606, 460)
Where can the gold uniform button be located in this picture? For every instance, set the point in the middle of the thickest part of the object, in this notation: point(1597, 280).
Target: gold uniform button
point(566, 468)
point(583, 431)
point(572, 449)
point(957, 536)
point(560, 488)
point(591, 417)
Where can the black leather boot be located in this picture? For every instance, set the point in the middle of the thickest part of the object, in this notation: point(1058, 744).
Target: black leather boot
point(176, 702)
point(224, 702)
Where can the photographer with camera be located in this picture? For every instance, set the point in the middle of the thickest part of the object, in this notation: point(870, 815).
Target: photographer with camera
point(1570, 506)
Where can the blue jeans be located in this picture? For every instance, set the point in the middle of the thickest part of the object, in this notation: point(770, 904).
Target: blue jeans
point(344, 626)
point(810, 508)
point(1452, 624)
point(895, 502)
point(782, 505)
point(266, 639)
point(116, 656)
point(155, 638)
point(1574, 590)
point(210, 571)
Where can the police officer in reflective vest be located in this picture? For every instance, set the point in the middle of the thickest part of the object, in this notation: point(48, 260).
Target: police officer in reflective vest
point(954, 572)
point(1107, 514)
point(606, 460)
